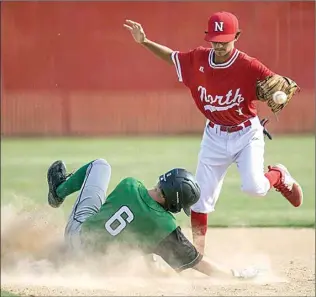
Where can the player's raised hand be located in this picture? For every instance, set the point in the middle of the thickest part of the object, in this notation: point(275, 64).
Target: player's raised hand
point(136, 30)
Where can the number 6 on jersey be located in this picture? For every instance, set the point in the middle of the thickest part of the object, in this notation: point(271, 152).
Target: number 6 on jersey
point(122, 222)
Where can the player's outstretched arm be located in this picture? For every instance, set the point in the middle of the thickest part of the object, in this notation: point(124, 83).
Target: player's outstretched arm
point(139, 36)
point(180, 254)
point(210, 268)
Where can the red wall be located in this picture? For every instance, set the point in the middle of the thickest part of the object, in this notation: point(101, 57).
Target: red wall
point(71, 68)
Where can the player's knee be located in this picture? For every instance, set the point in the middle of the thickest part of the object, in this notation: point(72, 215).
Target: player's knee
point(102, 162)
point(255, 187)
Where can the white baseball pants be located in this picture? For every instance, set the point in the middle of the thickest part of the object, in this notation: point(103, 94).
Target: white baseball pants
point(218, 151)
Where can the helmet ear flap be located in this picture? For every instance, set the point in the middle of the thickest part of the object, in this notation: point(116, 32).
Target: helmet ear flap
point(161, 191)
point(166, 206)
point(170, 205)
point(175, 207)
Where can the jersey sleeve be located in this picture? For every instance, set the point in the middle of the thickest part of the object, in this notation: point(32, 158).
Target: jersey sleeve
point(259, 70)
point(183, 62)
point(178, 251)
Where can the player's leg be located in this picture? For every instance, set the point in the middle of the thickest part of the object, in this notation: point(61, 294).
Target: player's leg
point(60, 184)
point(250, 163)
point(213, 162)
point(90, 199)
point(210, 178)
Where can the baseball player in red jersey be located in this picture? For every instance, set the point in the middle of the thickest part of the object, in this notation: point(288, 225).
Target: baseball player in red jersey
point(225, 84)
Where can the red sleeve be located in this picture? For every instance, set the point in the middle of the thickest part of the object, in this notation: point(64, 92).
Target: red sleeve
point(260, 71)
point(183, 62)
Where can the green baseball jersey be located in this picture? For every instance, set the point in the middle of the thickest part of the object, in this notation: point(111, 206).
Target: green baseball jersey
point(129, 216)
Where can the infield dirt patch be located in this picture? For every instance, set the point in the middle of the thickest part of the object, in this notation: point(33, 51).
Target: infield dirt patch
point(287, 257)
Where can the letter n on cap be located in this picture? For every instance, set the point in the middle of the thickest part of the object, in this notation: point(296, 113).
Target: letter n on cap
point(219, 26)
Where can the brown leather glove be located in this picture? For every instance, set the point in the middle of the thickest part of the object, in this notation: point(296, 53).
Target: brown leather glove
point(267, 87)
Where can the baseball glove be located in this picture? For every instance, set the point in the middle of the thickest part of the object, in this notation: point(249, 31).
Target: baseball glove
point(267, 87)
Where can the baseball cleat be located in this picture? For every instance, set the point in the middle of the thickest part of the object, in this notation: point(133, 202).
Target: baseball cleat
point(56, 175)
point(288, 186)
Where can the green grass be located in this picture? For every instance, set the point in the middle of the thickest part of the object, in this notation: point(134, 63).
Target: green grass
point(7, 294)
point(24, 164)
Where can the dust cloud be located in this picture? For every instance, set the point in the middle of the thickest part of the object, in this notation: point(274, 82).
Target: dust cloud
point(34, 261)
point(32, 252)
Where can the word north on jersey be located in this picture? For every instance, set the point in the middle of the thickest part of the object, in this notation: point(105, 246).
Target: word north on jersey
point(219, 102)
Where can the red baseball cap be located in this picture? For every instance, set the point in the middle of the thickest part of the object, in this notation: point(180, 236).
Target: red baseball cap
point(222, 27)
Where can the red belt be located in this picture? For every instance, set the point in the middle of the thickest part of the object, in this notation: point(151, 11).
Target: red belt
point(230, 129)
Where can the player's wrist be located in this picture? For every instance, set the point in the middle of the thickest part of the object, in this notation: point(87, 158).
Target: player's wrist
point(145, 41)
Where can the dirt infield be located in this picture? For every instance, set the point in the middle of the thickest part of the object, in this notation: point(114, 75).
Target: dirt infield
point(286, 257)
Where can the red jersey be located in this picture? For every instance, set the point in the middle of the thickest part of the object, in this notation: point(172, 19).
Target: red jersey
point(225, 93)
